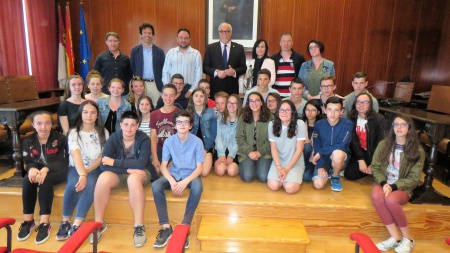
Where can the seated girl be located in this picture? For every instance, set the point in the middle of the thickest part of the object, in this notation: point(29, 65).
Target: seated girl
point(251, 137)
point(204, 125)
point(287, 136)
point(112, 107)
point(273, 101)
point(73, 97)
point(145, 107)
point(94, 83)
point(368, 130)
point(396, 168)
point(86, 141)
point(137, 90)
point(226, 146)
point(44, 154)
point(312, 112)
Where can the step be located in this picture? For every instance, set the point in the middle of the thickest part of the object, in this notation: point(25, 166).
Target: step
point(231, 234)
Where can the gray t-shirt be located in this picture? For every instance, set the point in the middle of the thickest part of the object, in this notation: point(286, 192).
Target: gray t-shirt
point(287, 146)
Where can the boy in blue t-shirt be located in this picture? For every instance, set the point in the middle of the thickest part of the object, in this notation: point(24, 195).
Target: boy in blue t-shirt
point(186, 152)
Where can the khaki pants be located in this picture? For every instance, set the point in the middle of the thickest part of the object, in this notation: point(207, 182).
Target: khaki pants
point(152, 92)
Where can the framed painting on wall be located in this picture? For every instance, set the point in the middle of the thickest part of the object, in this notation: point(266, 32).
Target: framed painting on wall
point(242, 15)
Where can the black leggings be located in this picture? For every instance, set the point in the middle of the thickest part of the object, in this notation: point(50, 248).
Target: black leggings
point(352, 171)
point(30, 193)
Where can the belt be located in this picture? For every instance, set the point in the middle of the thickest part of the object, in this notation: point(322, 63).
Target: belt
point(149, 80)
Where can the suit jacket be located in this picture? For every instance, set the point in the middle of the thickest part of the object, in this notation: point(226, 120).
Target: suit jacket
point(213, 61)
point(137, 63)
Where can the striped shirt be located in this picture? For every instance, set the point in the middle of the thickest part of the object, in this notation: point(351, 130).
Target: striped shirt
point(285, 74)
point(188, 64)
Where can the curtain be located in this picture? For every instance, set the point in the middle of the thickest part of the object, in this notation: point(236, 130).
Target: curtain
point(13, 59)
point(42, 32)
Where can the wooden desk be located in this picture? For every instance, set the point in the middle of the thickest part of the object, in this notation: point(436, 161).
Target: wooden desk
point(435, 129)
point(13, 115)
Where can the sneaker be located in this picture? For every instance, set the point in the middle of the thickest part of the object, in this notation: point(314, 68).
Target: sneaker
point(63, 232)
point(336, 184)
point(163, 237)
point(43, 233)
point(73, 229)
point(388, 244)
point(405, 246)
point(140, 238)
point(99, 234)
point(187, 243)
point(25, 230)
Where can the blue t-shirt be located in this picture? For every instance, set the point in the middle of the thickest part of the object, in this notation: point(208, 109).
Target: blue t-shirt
point(185, 155)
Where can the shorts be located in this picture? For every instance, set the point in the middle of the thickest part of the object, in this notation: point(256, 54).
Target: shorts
point(124, 177)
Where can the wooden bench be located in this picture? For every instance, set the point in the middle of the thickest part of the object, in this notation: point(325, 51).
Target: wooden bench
point(252, 234)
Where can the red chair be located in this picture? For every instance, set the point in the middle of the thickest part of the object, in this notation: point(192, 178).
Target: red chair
point(447, 241)
point(7, 223)
point(364, 242)
point(176, 243)
point(75, 241)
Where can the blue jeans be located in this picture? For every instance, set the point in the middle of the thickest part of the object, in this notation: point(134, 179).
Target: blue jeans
point(309, 166)
point(158, 187)
point(249, 169)
point(81, 200)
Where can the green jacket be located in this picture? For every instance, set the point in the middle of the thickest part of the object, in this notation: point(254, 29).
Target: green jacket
point(244, 139)
point(409, 175)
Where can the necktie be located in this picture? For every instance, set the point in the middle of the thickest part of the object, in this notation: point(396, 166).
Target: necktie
point(225, 56)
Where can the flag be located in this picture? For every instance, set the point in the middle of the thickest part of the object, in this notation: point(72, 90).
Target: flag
point(85, 48)
point(62, 69)
point(69, 49)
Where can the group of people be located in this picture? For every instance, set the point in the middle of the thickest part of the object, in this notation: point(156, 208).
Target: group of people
point(290, 128)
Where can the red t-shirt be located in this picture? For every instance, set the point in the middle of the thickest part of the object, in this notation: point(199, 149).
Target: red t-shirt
point(163, 124)
point(211, 103)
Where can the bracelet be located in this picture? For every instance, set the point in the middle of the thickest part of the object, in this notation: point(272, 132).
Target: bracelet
point(277, 165)
point(82, 175)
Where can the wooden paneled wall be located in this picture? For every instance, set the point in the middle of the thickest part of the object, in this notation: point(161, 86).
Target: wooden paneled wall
point(388, 39)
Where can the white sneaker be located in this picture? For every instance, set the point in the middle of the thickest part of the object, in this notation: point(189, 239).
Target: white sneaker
point(388, 244)
point(405, 246)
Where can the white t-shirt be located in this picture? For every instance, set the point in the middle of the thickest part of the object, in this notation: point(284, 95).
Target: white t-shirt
point(87, 143)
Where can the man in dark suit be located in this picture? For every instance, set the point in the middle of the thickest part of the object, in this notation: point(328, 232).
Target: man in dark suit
point(147, 61)
point(224, 62)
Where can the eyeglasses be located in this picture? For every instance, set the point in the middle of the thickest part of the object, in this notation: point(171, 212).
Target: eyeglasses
point(254, 101)
point(204, 87)
point(313, 47)
point(137, 78)
point(311, 110)
point(182, 122)
point(232, 103)
point(358, 102)
point(271, 101)
point(224, 32)
point(396, 125)
point(326, 86)
point(285, 110)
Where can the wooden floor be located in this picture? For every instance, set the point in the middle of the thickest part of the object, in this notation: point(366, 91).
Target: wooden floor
point(328, 216)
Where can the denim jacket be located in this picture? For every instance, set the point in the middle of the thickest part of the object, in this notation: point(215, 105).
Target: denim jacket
point(226, 138)
point(305, 69)
point(103, 106)
point(208, 125)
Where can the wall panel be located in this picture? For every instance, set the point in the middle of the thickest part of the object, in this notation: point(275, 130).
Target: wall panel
point(442, 75)
point(352, 43)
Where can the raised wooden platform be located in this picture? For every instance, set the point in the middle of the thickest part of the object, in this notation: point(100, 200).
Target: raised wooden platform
point(230, 234)
point(324, 213)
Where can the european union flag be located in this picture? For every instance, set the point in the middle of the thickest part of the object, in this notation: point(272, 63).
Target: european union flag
point(85, 48)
